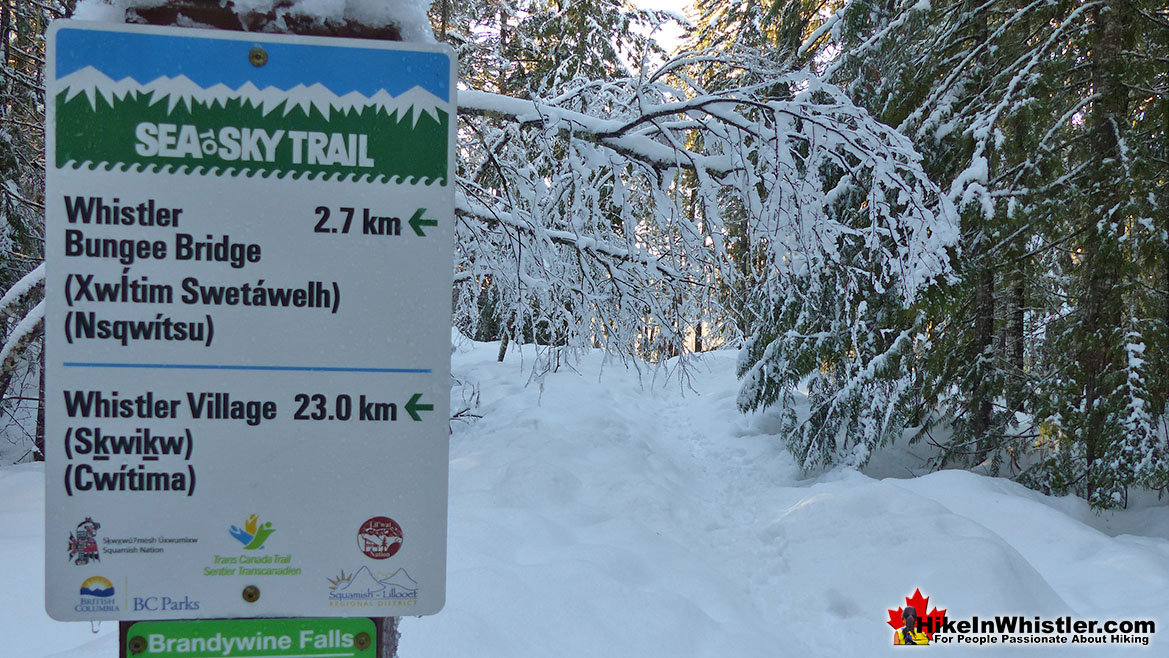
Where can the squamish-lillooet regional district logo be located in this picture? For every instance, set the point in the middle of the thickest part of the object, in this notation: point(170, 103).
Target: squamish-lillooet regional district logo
point(363, 588)
point(83, 543)
point(253, 534)
point(912, 625)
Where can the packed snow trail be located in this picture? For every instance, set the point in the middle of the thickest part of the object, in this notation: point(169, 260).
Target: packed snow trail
point(600, 511)
point(657, 520)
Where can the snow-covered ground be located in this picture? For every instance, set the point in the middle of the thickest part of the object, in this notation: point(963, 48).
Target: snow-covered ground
point(607, 513)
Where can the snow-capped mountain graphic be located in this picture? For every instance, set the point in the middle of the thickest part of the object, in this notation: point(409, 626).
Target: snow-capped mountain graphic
point(415, 99)
point(401, 580)
point(364, 582)
point(414, 102)
point(361, 582)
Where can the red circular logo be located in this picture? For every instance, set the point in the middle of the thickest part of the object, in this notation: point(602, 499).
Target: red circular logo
point(380, 537)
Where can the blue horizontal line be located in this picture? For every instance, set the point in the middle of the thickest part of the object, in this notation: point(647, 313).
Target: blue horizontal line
point(204, 366)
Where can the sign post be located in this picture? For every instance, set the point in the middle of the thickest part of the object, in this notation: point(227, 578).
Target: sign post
point(249, 243)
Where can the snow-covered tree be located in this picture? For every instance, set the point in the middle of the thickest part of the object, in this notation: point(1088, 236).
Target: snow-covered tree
point(591, 234)
point(945, 214)
point(22, 27)
point(842, 323)
point(1030, 115)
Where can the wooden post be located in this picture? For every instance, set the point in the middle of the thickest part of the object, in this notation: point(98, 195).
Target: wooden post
point(224, 16)
point(387, 637)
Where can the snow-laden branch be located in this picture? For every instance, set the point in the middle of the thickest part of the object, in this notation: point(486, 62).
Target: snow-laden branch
point(22, 289)
point(612, 133)
point(19, 339)
point(30, 324)
point(619, 214)
point(483, 213)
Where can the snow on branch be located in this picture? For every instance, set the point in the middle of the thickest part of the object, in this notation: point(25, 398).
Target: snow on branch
point(30, 324)
point(20, 290)
point(20, 337)
point(622, 214)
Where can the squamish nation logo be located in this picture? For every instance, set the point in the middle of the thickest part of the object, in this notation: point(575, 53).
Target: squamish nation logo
point(83, 542)
point(912, 624)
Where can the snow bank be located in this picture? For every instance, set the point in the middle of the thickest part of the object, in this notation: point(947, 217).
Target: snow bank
point(603, 513)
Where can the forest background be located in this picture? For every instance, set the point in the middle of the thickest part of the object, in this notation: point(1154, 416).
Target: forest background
point(942, 222)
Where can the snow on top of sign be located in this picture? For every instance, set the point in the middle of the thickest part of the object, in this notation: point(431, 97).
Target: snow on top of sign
point(415, 101)
point(409, 15)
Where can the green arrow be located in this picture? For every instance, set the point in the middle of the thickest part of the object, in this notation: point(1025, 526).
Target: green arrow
point(412, 407)
point(416, 222)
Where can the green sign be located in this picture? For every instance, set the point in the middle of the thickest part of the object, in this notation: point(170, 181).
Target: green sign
point(253, 638)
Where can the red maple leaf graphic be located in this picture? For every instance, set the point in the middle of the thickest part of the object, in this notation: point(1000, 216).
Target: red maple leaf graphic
point(919, 603)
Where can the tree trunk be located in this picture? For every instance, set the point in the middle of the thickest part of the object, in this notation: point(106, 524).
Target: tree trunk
point(388, 632)
point(1018, 334)
point(982, 347)
point(445, 18)
point(983, 351)
point(1101, 258)
point(5, 22)
point(503, 340)
point(38, 441)
point(502, 51)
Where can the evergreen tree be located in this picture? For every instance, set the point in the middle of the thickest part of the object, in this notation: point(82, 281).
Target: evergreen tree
point(22, 162)
point(846, 331)
point(1036, 351)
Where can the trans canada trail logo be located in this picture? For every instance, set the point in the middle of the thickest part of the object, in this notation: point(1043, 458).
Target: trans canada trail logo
point(253, 534)
point(379, 537)
point(912, 625)
point(252, 537)
point(83, 543)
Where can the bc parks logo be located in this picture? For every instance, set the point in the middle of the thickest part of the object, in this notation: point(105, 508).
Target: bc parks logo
point(97, 595)
point(164, 604)
point(83, 543)
point(252, 535)
point(364, 589)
